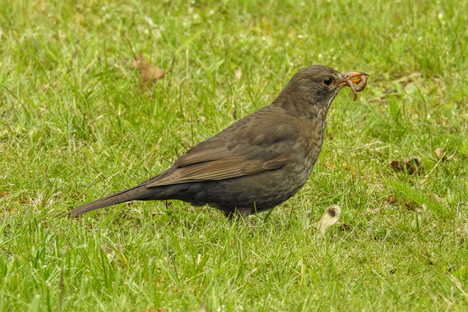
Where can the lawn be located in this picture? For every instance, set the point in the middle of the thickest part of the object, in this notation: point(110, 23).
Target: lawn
point(78, 122)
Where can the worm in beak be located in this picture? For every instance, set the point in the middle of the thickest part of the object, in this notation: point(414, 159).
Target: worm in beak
point(356, 81)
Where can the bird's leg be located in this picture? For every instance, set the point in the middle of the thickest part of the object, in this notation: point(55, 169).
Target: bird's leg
point(268, 214)
point(238, 213)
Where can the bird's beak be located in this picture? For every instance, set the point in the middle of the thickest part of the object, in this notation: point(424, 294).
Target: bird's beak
point(355, 80)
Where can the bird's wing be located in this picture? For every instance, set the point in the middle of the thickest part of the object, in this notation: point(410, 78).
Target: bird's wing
point(245, 148)
point(221, 169)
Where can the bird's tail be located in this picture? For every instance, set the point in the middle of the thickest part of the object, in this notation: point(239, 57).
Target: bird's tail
point(139, 192)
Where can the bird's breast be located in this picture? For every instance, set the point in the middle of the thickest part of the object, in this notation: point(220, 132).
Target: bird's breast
point(313, 131)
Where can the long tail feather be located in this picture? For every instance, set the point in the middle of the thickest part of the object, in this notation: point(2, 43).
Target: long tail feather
point(135, 193)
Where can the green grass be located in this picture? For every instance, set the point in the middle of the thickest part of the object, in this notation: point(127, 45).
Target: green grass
point(74, 126)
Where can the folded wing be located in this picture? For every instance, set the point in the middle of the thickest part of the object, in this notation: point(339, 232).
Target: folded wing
point(241, 151)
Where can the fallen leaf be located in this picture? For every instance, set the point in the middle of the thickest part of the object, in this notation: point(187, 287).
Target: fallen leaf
point(149, 73)
point(414, 206)
point(391, 200)
point(397, 165)
point(412, 166)
point(411, 205)
point(329, 217)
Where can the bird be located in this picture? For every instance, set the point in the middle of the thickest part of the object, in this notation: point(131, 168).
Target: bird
point(256, 163)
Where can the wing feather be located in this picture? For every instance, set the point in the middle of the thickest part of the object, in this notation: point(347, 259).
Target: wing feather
point(247, 147)
point(218, 170)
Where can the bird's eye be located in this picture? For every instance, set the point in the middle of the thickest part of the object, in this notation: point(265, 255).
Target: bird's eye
point(328, 81)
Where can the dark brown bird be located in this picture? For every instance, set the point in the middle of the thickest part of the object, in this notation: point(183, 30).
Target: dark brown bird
point(259, 161)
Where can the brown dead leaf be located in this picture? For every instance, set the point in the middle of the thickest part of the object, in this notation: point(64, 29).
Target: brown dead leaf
point(149, 73)
point(329, 217)
point(411, 166)
point(391, 200)
point(397, 165)
point(414, 206)
point(411, 205)
point(3, 194)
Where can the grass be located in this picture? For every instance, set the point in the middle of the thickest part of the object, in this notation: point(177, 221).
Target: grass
point(74, 126)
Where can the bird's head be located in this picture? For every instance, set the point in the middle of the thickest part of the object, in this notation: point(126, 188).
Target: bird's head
point(317, 86)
